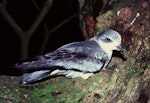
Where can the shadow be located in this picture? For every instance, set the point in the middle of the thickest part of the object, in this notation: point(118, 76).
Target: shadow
point(118, 54)
point(9, 71)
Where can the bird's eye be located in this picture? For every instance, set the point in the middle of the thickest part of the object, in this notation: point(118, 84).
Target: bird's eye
point(108, 39)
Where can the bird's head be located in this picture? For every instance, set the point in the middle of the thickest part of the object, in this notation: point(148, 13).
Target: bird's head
point(110, 40)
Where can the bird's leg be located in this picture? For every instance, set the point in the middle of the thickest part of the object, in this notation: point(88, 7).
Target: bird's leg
point(110, 69)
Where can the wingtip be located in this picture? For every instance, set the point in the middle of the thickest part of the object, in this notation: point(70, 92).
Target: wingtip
point(14, 65)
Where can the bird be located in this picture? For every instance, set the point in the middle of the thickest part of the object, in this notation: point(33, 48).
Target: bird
point(76, 59)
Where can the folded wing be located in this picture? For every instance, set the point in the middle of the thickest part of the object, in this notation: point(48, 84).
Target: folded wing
point(79, 56)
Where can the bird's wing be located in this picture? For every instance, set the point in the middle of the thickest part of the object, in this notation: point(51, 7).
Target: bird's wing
point(83, 56)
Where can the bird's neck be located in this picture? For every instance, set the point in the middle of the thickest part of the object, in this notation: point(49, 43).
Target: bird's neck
point(109, 53)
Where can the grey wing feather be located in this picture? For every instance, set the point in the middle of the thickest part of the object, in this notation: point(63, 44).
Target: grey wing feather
point(86, 56)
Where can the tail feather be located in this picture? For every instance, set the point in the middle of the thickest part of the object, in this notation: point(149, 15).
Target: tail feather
point(34, 76)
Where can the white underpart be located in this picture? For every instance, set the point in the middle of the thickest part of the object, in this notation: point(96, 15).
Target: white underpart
point(55, 72)
point(71, 73)
point(74, 74)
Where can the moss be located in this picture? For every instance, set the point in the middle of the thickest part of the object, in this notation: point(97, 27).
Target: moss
point(56, 90)
point(10, 93)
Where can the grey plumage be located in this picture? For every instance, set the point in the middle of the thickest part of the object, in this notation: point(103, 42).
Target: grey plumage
point(78, 59)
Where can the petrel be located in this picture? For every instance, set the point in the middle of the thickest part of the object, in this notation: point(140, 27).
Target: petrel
point(77, 59)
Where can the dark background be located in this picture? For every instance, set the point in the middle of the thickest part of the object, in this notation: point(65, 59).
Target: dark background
point(24, 13)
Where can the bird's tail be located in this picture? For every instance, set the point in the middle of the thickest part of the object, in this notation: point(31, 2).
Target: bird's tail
point(34, 76)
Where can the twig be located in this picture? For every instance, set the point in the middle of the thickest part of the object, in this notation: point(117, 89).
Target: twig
point(49, 32)
point(36, 5)
point(10, 20)
point(38, 20)
point(24, 35)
